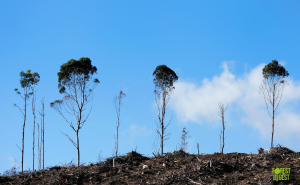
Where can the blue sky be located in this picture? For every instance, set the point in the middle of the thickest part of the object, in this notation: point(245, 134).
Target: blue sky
point(217, 49)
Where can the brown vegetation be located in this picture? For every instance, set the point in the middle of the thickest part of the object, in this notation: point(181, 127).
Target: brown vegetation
point(173, 168)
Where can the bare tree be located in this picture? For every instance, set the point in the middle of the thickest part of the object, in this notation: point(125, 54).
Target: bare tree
point(272, 88)
point(41, 137)
point(164, 79)
point(26, 81)
point(117, 102)
point(184, 136)
point(36, 79)
point(221, 113)
point(39, 148)
point(42, 114)
point(74, 78)
point(220, 141)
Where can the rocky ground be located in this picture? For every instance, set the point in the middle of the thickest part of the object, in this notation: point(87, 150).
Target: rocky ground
point(173, 168)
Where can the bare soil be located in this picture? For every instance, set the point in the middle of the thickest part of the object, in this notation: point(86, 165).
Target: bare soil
point(173, 168)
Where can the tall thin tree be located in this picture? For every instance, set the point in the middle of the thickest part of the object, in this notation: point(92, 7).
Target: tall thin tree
point(42, 114)
point(73, 82)
point(118, 103)
point(26, 82)
point(36, 79)
point(164, 77)
point(220, 141)
point(221, 113)
point(272, 87)
point(39, 148)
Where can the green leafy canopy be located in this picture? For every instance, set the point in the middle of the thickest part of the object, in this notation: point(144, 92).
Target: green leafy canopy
point(56, 102)
point(164, 77)
point(28, 79)
point(274, 69)
point(74, 68)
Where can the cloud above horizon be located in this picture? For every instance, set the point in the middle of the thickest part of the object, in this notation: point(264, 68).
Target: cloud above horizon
point(138, 131)
point(199, 103)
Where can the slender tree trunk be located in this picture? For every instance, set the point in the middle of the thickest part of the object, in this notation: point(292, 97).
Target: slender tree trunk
point(117, 144)
point(43, 144)
point(33, 134)
point(25, 96)
point(222, 110)
point(223, 133)
point(33, 148)
point(118, 111)
point(273, 116)
point(220, 141)
point(23, 143)
point(162, 140)
point(43, 133)
point(78, 153)
point(223, 137)
point(39, 148)
point(117, 139)
point(162, 123)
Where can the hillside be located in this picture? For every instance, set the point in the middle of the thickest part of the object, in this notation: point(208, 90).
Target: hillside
point(173, 168)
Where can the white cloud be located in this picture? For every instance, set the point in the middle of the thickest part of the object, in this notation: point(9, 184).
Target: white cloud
point(199, 104)
point(136, 130)
point(195, 104)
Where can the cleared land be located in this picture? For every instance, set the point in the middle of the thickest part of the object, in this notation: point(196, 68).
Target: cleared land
point(173, 168)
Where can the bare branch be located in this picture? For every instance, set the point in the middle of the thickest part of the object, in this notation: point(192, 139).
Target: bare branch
point(82, 123)
point(169, 121)
point(19, 148)
point(72, 109)
point(167, 136)
point(70, 124)
point(266, 99)
point(70, 139)
point(21, 110)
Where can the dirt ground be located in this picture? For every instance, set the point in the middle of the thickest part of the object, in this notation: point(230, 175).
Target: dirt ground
point(174, 168)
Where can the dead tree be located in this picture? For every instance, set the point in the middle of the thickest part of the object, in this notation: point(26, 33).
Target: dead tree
point(221, 113)
point(272, 88)
point(164, 79)
point(184, 136)
point(117, 102)
point(42, 114)
point(220, 141)
point(41, 136)
point(39, 148)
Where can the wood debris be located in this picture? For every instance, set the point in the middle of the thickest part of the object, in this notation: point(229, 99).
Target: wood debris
point(178, 167)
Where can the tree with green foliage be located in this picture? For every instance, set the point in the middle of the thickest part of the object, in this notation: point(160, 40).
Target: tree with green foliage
point(272, 87)
point(75, 82)
point(26, 81)
point(164, 77)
